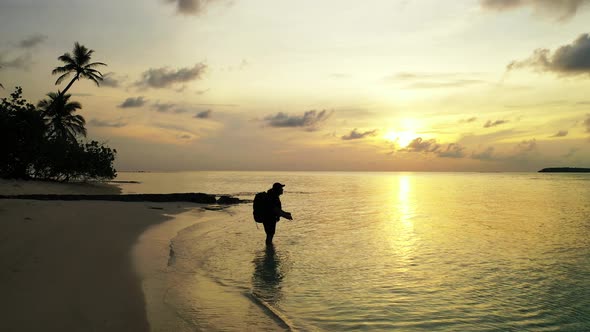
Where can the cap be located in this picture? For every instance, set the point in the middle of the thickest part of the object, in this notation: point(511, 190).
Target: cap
point(277, 185)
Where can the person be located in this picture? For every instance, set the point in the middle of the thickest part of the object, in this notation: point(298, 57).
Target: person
point(276, 211)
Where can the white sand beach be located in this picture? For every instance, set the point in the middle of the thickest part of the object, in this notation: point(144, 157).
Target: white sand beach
point(67, 266)
point(103, 265)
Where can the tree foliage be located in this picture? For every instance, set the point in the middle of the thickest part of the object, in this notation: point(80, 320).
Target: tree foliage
point(61, 120)
point(31, 146)
point(22, 134)
point(42, 142)
point(78, 63)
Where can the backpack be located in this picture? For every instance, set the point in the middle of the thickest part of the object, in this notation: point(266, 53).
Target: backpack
point(261, 207)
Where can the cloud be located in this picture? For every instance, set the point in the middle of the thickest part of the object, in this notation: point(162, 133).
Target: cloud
point(310, 120)
point(166, 78)
point(587, 123)
point(180, 110)
point(339, 76)
point(185, 136)
point(526, 146)
point(561, 133)
point(204, 114)
point(432, 80)
point(191, 7)
point(563, 9)
point(110, 80)
point(487, 154)
point(163, 108)
point(32, 41)
point(572, 59)
point(133, 102)
point(472, 119)
point(106, 123)
point(421, 145)
point(490, 124)
point(572, 152)
point(239, 67)
point(408, 76)
point(358, 135)
point(173, 127)
point(453, 150)
point(21, 62)
point(447, 84)
point(168, 108)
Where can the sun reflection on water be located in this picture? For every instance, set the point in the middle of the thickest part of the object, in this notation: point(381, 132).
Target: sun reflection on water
point(401, 231)
point(404, 204)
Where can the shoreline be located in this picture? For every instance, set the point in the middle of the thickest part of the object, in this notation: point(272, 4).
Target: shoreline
point(105, 265)
point(70, 265)
point(181, 296)
point(151, 256)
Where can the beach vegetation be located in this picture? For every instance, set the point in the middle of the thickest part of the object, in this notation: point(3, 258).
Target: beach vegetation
point(22, 134)
point(48, 141)
point(38, 144)
point(58, 112)
point(78, 63)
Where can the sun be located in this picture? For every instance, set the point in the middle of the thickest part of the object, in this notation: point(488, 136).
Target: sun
point(401, 138)
point(405, 132)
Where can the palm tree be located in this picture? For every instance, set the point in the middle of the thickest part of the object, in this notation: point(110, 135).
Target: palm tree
point(79, 64)
point(58, 111)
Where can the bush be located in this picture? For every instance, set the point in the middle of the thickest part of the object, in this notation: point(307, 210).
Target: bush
point(64, 160)
point(22, 135)
point(27, 151)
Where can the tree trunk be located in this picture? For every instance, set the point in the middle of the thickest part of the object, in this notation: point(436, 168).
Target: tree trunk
point(63, 93)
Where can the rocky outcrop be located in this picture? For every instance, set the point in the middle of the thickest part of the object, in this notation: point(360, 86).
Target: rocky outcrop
point(226, 200)
point(565, 170)
point(179, 197)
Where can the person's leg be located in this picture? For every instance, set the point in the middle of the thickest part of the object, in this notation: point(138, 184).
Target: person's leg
point(269, 228)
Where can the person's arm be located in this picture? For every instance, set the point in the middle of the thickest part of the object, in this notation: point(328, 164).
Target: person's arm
point(284, 214)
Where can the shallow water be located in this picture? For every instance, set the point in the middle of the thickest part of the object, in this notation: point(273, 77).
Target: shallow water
point(395, 251)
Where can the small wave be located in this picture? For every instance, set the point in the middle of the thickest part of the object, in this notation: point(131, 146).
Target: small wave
point(271, 311)
point(171, 255)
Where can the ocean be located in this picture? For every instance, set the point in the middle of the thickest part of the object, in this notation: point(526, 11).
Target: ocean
point(385, 251)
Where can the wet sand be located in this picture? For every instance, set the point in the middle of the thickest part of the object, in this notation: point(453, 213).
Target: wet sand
point(105, 266)
point(67, 266)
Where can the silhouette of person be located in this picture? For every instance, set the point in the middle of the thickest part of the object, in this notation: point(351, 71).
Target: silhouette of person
point(276, 211)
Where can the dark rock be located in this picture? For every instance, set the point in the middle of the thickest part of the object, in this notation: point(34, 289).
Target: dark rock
point(228, 200)
point(178, 197)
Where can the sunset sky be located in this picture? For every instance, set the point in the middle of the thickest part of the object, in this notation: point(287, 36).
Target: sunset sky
point(377, 85)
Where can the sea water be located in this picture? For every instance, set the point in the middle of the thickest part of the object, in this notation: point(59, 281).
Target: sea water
point(388, 251)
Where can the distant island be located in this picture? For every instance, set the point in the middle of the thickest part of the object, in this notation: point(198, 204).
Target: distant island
point(565, 170)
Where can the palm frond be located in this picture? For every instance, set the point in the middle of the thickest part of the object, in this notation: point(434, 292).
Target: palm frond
point(72, 107)
point(63, 69)
point(95, 64)
point(62, 77)
point(66, 58)
point(82, 54)
point(75, 124)
point(93, 73)
point(94, 79)
point(79, 63)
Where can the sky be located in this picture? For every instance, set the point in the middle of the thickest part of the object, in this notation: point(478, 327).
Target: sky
point(377, 85)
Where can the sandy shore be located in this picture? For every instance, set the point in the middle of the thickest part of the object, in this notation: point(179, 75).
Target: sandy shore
point(67, 266)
